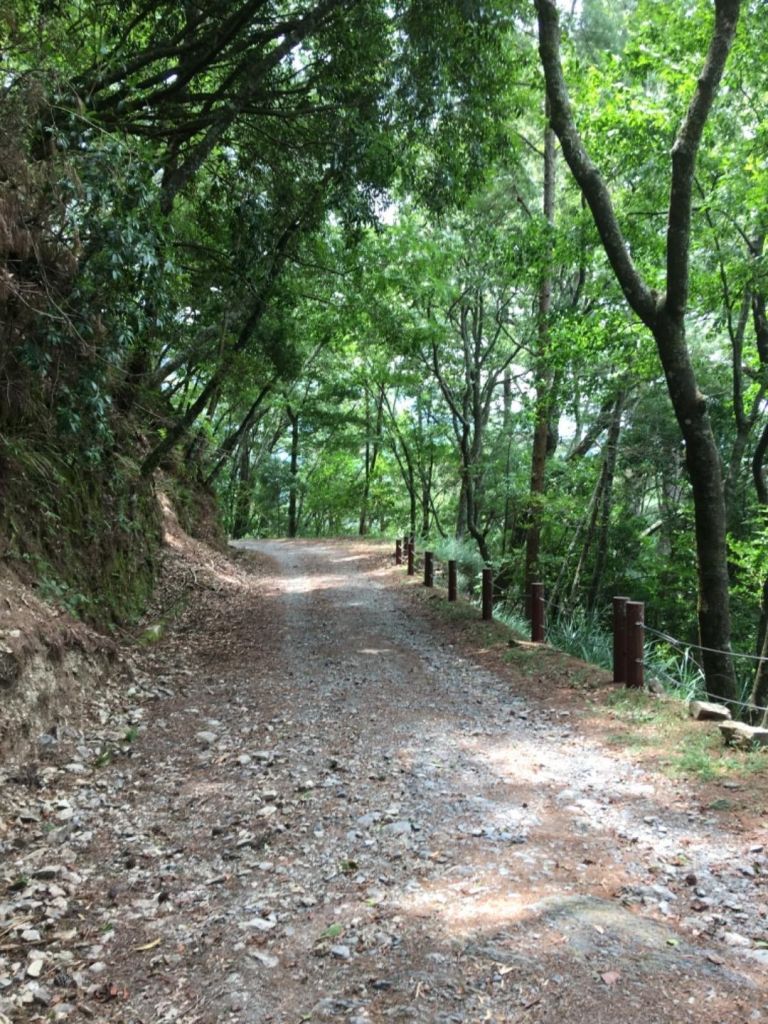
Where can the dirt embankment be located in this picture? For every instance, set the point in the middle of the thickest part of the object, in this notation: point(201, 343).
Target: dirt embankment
point(51, 667)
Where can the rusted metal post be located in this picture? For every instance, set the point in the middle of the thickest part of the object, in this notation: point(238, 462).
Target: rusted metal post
point(537, 613)
point(620, 639)
point(411, 569)
point(635, 638)
point(398, 552)
point(453, 580)
point(429, 569)
point(487, 595)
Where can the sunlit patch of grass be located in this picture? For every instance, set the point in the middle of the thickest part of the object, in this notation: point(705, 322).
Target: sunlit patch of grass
point(701, 754)
point(680, 746)
point(641, 708)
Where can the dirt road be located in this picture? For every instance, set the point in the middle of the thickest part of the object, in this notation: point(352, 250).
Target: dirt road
point(328, 812)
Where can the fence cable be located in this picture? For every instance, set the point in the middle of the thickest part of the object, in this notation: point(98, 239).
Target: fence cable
point(697, 647)
point(685, 647)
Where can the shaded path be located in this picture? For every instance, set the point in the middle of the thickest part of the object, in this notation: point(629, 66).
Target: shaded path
point(335, 817)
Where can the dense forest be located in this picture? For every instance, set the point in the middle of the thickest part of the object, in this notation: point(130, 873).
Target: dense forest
point(491, 273)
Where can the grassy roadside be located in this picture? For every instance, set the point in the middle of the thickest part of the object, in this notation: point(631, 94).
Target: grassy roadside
point(653, 729)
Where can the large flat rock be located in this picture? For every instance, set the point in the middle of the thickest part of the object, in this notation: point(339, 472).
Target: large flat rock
point(739, 734)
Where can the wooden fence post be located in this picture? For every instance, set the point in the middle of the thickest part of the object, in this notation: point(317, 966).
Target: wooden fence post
point(453, 580)
point(635, 643)
point(487, 595)
point(429, 569)
point(537, 613)
point(620, 639)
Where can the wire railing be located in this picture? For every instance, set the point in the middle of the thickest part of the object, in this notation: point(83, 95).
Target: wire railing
point(698, 647)
point(684, 647)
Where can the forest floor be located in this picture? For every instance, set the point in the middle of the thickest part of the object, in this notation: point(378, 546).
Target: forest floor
point(325, 798)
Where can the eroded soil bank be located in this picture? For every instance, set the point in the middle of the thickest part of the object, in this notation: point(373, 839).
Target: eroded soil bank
point(315, 805)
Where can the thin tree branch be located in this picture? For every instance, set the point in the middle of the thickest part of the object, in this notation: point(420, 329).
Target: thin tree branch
point(637, 292)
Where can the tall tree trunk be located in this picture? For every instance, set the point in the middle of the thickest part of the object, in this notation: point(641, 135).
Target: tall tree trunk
point(472, 490)
point(461, 512)
point(744, 423)
point(543, 382)
point(293, 522)
point(507, 393)
point(409, 479)
point(372, 446)
point(702, 459)
point(425, 478)
point(604, 517)
point(242, 514)
point(426, 508)
point(436, 517)
point(507, 431)
point(760, 317)
point(759, 695)
point(598, 511)
point(405, 464)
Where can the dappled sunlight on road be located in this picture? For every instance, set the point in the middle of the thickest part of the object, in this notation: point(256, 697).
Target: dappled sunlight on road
point(307, 584)
point(458, 908)
point(469, 845)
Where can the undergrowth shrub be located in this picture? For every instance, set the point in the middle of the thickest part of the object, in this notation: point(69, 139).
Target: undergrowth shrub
point(469, 563)
point(582, 633)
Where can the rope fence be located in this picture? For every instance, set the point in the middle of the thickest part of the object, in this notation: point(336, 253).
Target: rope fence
point(629, 626)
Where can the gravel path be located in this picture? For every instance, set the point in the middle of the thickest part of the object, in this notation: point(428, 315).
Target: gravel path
point(314, 808)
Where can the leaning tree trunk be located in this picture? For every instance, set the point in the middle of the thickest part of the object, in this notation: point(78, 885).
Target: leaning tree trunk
point(590, 530)
point(664, 313)
point(259, 307)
